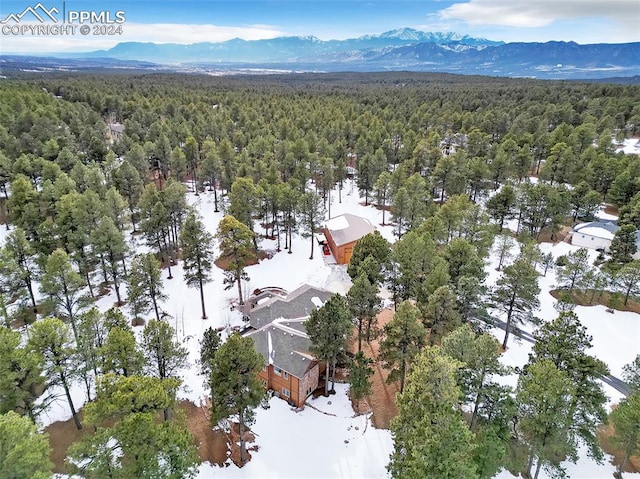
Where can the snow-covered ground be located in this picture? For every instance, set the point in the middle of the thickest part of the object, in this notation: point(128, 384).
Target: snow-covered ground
point(326, 441)
point(338, 444)
point(630, 146)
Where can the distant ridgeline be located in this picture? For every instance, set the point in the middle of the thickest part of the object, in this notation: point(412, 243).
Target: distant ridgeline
point(400, 50)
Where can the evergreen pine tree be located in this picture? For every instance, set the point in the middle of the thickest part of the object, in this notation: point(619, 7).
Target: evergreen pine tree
point(197, 250)
point(516, 294)
point(359, 374)
point(431, 437)
point(404, 337)
point(237, 248)
point(145, 285)
point(24, 452)
point(329, 329)
point(235, 388)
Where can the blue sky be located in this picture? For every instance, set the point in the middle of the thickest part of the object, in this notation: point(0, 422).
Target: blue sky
point(190, 21)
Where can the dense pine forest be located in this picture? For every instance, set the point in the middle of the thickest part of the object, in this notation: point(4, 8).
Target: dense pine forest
point(461, 167)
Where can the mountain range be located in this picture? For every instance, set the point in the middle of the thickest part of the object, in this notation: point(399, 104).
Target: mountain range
point(401, 49)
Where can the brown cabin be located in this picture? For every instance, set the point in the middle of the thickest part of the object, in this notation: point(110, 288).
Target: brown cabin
point(342, 234)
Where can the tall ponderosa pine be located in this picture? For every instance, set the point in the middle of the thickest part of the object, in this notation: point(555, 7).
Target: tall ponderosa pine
point(431, 438)
point(329, 328)
point(544, 396)
point(208, 346)
point(364, 305)
point(413, 258)
point(375, 246)
point(163, 353)
point(516, 294)
point(110, 244)
point(92, 334)
point(235, 388)
point(479, 355)
point(120, 353)
point(145, 285)
point(575, 273)
point(565, 342)
point(627, 280)
point(128, 182)
point(155, 223)
point(52, 339)
point(404, 337)
point(21, 377)
point(359, 374)
point(11, 286)
point(312, 211)
point(197, 252)
point(625, 418)
point(64, 286)
point(623, 245)
point(382, 191)
point(440, 315)
point(129, 441)
point(24, 452)
point(237, 249)
point(19, 250)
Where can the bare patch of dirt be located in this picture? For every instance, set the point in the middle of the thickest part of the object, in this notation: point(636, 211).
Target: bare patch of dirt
point(249, 438)
point(61, 435)
point(382, 400)
point(213, 445)
point(223, 263)
point(604, 434)
point(548, 237)
point(3, 212)
point(611, 209)
point(594, 298)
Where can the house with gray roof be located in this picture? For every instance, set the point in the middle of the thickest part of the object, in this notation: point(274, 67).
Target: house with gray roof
point(278, 332)
point(598, 235)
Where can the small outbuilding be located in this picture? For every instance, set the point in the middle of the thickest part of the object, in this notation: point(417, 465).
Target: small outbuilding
point(342, 234)
point(594, 235)
point(598, 235)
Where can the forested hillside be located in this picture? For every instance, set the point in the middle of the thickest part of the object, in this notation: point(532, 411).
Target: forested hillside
point(459, 166)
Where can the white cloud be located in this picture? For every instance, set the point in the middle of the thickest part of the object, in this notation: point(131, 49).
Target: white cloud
point(539, 13)
point(136, 32)
point(181, 33)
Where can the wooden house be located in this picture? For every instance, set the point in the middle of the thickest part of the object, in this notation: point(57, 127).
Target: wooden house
point(343, 232)
point(278, 332)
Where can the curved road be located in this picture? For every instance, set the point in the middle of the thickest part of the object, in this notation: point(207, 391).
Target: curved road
point(616, 383)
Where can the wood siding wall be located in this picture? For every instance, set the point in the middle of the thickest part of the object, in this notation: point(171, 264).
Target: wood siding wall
point(341, 253)
point(297, 388)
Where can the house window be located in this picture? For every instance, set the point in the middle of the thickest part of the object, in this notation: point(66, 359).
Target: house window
point(277, 371)
point(309, 391)
point(264, 383)
point(285, 375)
point(286, 393)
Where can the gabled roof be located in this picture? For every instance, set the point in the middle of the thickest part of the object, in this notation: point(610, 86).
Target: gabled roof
point(296, 305)
point(285, 345)
point(347, 228)
point(600, 229)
